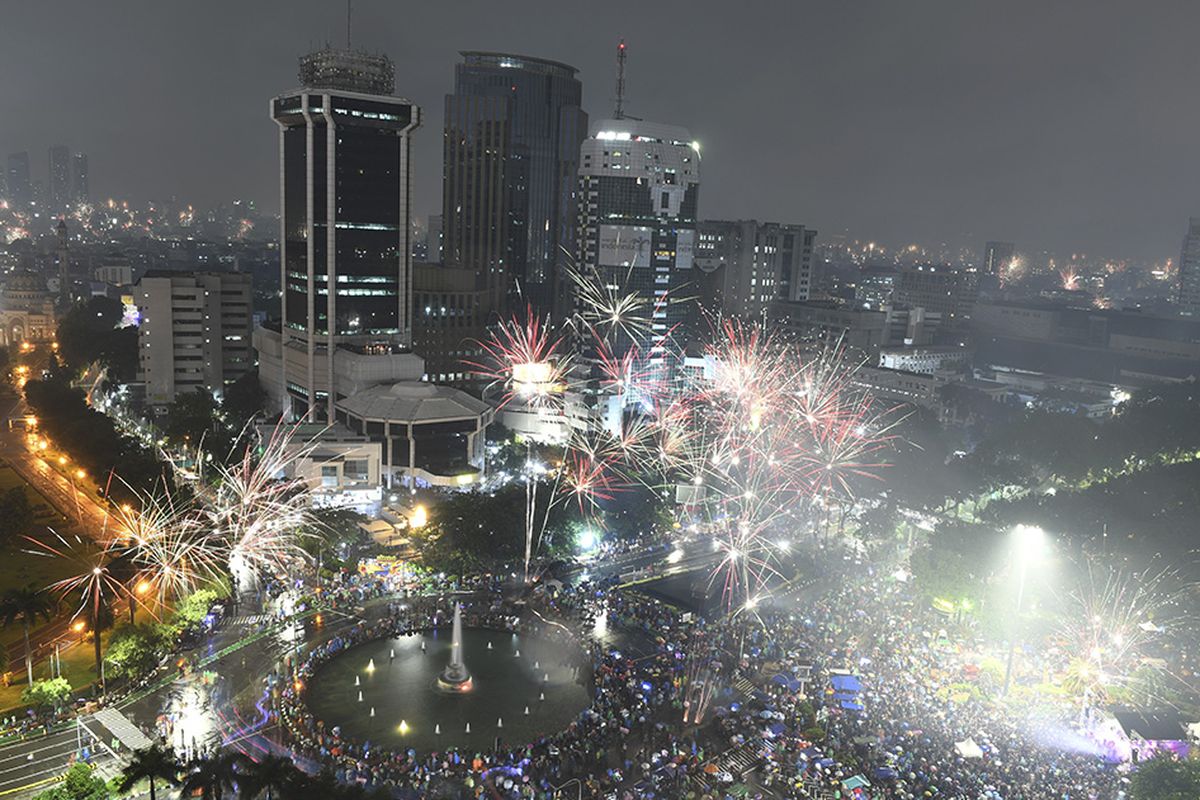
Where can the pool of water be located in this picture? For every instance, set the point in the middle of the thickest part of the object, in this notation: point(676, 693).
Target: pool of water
point(408, 705)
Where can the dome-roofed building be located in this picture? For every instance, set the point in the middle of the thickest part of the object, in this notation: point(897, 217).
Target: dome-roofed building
point(26, 309)
point(432, 435)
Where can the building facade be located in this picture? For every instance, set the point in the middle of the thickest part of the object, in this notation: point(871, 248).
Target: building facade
point(194, 332)
point(939, 289)
point(80, 180)
point(1189, 269)
point(513, 127)
point(20, 185)
point(59, 177)
point(345, 237)
point(744, 266)
point(996, 258)
point(449, 321)
point(639, 191)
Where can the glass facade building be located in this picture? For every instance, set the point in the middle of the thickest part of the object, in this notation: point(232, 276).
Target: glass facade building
point(511, 154)
point(345, 239)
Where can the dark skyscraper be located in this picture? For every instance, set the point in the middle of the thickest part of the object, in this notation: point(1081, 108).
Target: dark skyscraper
point(513, 130)
point(59, 177)
point(346, 227)
point(19, 186)
point(79, 165)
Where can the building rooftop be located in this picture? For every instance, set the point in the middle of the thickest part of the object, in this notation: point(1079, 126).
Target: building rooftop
point(413, 402)
point(348, 71)
point(514, 61)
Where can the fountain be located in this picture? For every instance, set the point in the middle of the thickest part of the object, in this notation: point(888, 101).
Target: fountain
point(454, 677)
point(371, 665)
point(456, 681)
point(527, 711)
point(372, 711)
point(517, 654)
point(360, 697)
point(357, 682)
point(489, 645)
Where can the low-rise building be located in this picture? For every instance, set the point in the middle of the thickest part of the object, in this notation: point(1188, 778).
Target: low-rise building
point(925, 360)
point(430, 435)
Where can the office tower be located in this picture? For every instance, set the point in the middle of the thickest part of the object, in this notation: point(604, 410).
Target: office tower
point(996, 258)
point(639, 184)
point(83, 192)
point(194, 332)
point(346, 233)
point(744, 266)
point(512, 135)
point(59, 177)
point(20, 188)
point(1189, 268)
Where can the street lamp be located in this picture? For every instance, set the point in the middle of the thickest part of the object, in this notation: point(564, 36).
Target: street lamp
point(1028, 543)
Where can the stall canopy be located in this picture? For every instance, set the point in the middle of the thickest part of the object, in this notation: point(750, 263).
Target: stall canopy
point(968, 749)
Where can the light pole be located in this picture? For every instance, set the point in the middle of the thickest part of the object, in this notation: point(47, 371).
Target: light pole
point(1027, 541)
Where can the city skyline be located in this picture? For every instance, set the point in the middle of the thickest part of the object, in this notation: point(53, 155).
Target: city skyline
point(1049, 128)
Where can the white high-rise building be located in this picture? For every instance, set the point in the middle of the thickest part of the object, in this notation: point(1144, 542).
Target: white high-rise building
point(193, 333)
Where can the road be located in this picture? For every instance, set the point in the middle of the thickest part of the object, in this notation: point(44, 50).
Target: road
point(76, 501)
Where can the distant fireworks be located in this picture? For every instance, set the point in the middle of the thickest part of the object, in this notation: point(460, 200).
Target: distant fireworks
point(1070, 279)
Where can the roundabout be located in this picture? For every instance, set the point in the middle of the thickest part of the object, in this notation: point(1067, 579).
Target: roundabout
point(393, 693)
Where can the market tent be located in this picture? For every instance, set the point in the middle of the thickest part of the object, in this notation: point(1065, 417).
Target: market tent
point(968, 749)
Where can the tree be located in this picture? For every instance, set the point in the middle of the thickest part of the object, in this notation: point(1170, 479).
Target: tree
point(101, 617)
point(16, 516)
point(88, 333)
point(134, 650)
point(80, 783)
point(1165, 778)
point(28, 605)
point(273, 776)
point(150, 764)
point(210, 777)
point(46, 694)
point(195, 416)
point(244, 399)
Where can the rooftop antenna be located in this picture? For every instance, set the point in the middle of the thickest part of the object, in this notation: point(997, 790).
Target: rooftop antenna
point(620, 112)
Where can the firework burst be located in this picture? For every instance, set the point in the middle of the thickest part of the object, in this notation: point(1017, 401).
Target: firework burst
point(1116, 628)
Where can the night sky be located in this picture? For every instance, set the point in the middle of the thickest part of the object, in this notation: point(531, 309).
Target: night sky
point(1072, 126)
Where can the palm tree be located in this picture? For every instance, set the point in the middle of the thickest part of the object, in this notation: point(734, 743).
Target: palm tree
point(27, 605)
point(273, 776)
point(150, 763)
point(210, 777)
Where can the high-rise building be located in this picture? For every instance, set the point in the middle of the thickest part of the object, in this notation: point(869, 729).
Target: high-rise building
point(639, 187)
point(20, 188)
point(59, 177)
point(996, 258)
point(512, 135)
point(744, 266)
point(79, 163)
point(194, 332)
point(346, 232)
point(1189, 269)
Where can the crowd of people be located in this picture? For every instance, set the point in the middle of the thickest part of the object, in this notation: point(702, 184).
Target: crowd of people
point(665, 707)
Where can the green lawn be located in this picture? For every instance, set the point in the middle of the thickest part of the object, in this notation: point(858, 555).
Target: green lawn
point(78, 667)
